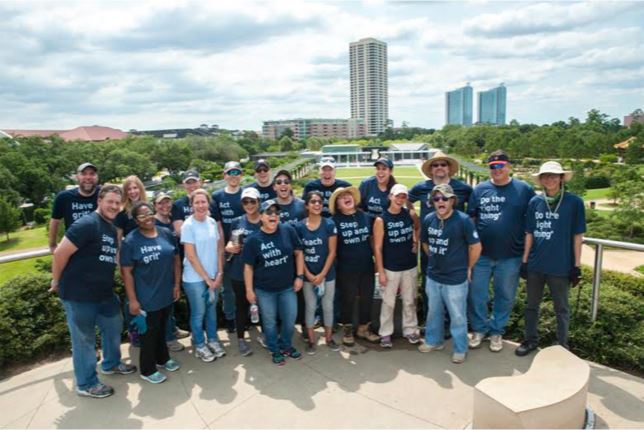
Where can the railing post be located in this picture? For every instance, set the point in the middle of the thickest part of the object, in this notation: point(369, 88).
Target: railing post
point(597, 277)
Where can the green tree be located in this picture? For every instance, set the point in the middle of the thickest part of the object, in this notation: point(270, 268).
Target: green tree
point(173, 155)
point(577, 185)
point(286, 143)
point(9, 217)
point(123, 162)
point(635, 152)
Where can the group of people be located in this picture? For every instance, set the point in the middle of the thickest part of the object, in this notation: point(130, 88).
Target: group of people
point(272, 257)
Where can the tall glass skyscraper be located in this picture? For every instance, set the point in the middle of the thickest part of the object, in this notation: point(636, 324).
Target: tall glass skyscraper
point(458, 106)
point(492, 105)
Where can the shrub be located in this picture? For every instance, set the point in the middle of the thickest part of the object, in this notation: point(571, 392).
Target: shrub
point(41, 215)
point(597, 181)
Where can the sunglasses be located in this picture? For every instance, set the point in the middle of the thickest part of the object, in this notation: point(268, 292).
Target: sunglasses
point(282, 181)
point(249, 202)
point(315, 202)
point(143, 217)
point(234, 173)
point(440, 198)
point(497, 166)
point(439, 164)
point(272, 211)
point(261, 171)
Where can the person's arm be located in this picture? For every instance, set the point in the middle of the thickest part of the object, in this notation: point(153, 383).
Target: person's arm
point(578, 240)
point(176, 291)
point(220, 257)
point(191, 255)
point(119, 235)
point(299, 269)
point(54, 224)
point(177, 224)
point(473, 254)
point(62, 255)
point(527, 245)
point(425, 247)
point(248, 282)
point(134, 307)
point(378, 239)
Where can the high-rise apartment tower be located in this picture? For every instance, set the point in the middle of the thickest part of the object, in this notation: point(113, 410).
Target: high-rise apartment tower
point(458, 106)
point(369, 89)
point(492, 105)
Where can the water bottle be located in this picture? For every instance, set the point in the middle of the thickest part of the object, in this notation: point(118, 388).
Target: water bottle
point(319, 290)
point(254, 313)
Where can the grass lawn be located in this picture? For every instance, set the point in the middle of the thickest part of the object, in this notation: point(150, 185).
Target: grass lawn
point(596, 194)
point(24, 239)
point(15, 268)
point(407, 175)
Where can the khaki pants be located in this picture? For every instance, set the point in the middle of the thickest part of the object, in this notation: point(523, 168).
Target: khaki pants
point(406, 281)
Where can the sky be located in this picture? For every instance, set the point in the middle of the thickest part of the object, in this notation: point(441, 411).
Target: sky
point(170, 64)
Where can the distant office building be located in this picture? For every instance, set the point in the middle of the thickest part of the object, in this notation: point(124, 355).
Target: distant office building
point(492, 105)
point(369, 88)
point(303, 128)
point(458, 106)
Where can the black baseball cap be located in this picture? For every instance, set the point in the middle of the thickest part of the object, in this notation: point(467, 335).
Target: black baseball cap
point(261, 163)
point(191, 175)
point(385, 162)
point(268, 204)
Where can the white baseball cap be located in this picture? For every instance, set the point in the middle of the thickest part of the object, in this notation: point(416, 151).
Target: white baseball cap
point(251, 193)
point(398, 189)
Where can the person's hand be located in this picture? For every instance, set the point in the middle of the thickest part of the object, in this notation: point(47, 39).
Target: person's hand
point(233, 249)
point(53, 286)
point(52, 248)
point(575, 276)
point(251, 297)
point(523, 271)
point(212, 283)
point(317, 279)
point(382, 280)
point(414, 247)
point(134, 307)
point(176, 293)
point(469, 275)
point(297, 284)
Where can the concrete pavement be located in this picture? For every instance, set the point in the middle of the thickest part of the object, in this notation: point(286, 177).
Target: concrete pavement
point(398, 388)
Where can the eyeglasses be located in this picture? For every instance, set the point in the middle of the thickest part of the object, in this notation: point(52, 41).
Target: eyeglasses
point(143, 217)
point(272, 211)
point(234, 173)
point(439, 164)
point(315, 202)
point(440, 198)
point(282, 181)
point(261, 171)
point(249, 202)
point(497, 166)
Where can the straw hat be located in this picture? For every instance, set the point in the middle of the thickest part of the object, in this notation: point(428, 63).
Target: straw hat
point(440, 155)
point(354, 192)
point(555, 168)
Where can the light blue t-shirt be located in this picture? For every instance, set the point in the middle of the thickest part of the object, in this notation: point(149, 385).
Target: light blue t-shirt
point(204, 235)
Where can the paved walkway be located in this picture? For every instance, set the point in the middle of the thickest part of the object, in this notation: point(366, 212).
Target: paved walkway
point(398, 388)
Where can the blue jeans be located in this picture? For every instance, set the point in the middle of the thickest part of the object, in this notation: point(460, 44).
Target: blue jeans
point(170, 326)
point(199, 312)
point(82, 319)
point(228, 293)
point(454, 298)
point(506, 281)
point(274, 304)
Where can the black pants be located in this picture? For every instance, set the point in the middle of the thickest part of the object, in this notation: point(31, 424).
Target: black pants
point(241, 307)
point(153, 347)
point(559, 288)
point(301, 310)
point(351, 287)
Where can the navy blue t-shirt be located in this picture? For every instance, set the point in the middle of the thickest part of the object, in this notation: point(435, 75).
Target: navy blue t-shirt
point(125, 222)
point(169, 226)
point(70, 205)
point(272, 258)
point(316, 246)
point(292, 212)
point(265, 193)
point(152, 260)
point(372, 199)
point(316, 184)
point(500, 217)
point(398, 242)
point(225, 207)
point(449, 242)
point(421, 190)
point(89, 274)
point(354, 248)
point(181, 209)
point(236, 264)
point(552, 250)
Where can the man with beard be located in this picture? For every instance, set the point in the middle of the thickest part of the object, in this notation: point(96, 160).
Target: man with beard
point(263, 182)
point(327, 184)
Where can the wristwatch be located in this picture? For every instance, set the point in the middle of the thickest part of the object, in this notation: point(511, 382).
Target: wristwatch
point(300, 277)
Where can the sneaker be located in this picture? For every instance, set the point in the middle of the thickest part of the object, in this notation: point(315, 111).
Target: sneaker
point(175, 346)
point(366, 334)
point(155, 378)
point(181, 334)
point(216, 348)
point(458, 357)
point(347, 336)
point(170, 365)
point(279, 359)
point(318, 322)
point(121, 369)
point(425, 347)
point(205, 354)
point(386, 342)
point(98, 391)
point(525, 348)
point(413, 338)
point(292, 353)
point(262, 341)
point(244, 349)
point(496, 343)
point(332, 345)
point(230, 326)
point(310, 348)
point(475, 340)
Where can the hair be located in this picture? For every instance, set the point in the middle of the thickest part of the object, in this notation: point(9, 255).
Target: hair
point(129, 181)
point(392, 180)
point(136, 208)
point(311, 194)
point(110, 188)
point(197, 192)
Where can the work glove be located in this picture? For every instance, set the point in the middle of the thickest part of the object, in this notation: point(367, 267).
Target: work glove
point(138, 323)
point(523, 271)
point(575, 276)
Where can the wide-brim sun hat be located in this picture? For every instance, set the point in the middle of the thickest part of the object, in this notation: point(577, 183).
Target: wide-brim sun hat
point(554, 168)
point(354, 192)
point(440, 156)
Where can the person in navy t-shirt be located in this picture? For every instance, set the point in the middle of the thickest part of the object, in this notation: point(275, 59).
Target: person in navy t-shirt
point(71, 205)
point(395, 238)
point(374, 191)
point(449, 238)
point(273, 273)
point(327, 184)
point(263, 182)
point(151, 269)
point(555, 227)
point(291, 208)
point(181, 208)
point(498, 207)
point(82, 272)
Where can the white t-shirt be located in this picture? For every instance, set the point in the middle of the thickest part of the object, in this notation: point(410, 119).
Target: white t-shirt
point(204, 235)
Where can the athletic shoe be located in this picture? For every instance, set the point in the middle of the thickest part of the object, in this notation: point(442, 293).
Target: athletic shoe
point(175, 346)
point(332, 345)
point(170, 365)
point(279, 359)
point(496, 343)
point(366, 334)
point(310, 348)
point(181, 334)
point(458, 357)
point(386, 342)
point(205, 354)
point(216, 348)
point(121, 369)
point(244, 349)
point(98, 391)
point(347, 337)
point(413, 338)
point(525, 348)
point(155, 378)
point(292, 353)
point(475, 340)
point(425, 347)
point(262, 341)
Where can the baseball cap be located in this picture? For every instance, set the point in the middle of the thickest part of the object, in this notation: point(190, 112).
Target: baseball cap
point(251, 193)
point(385, 162)
point(261, 163)
point(190, 175)
point(85, 166)
point(444, 189)
point(398, 189)
point(498, 157)
point(232, 165)
point(268, 204)
point(160, 197)
point(327, 163)
point(283, 172)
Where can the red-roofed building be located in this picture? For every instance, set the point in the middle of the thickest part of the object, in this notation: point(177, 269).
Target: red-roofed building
point(94, 133)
